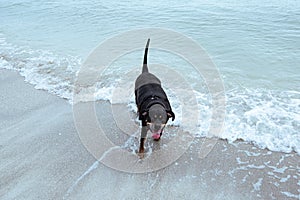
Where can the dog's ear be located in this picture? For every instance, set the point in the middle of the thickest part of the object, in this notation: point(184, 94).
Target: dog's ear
point(171, 114)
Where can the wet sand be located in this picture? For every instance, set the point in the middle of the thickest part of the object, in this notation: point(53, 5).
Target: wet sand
point(42, 157)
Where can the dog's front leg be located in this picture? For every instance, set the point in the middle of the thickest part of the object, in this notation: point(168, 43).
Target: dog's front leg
point(142, 141)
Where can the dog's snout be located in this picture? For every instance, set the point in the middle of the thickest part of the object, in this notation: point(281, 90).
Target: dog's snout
point(157, 126)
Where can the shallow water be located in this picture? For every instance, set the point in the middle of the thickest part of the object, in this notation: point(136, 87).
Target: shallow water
point(254, 45)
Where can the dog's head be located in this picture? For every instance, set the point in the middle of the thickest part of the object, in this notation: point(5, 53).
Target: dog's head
point(158, 117)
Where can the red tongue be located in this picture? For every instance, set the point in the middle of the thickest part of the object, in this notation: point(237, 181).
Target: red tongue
point(156, 136)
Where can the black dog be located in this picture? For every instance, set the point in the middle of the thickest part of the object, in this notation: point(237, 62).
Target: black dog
point(152, 102)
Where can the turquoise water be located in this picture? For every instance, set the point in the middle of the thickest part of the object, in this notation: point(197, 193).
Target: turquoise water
point(257, 41)
point(254, 44)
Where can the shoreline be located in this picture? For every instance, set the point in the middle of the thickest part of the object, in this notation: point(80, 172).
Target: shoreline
point(42, 157)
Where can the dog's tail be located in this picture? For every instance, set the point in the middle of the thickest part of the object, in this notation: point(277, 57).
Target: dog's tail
point(145, 67)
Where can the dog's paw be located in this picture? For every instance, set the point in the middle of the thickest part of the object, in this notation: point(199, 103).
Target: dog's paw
point(141, 153)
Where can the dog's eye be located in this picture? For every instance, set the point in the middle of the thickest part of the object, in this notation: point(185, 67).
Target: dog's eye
point(155, 116)
point(160, 117)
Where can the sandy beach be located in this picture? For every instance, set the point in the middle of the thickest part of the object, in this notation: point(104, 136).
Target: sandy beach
point(42, 157)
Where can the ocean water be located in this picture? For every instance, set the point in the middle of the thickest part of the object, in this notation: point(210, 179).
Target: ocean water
point(254, 44)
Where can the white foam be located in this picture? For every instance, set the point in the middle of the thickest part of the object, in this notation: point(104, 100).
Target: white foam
point(283, 180)
point(291, 195)
point(258, 184)
point(45, 70)
point(269, 119)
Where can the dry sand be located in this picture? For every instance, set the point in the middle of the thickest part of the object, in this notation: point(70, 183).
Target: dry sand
point(42, 157)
